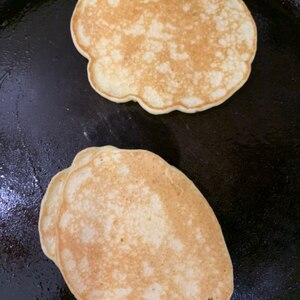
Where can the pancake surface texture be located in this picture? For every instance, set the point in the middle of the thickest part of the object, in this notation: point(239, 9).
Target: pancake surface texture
point(48, 212)
point(186, 55)
point(130, 226)
point(51, 201)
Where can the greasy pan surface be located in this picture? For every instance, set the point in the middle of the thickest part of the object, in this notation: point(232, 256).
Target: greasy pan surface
point(242, 155)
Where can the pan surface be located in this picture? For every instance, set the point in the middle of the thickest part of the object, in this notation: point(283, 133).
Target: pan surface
point(242, 155)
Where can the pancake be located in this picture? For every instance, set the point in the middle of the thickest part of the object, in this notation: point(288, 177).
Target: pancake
point(51, 200)
point(183, 55)
point(130, 226)
point(48, 210)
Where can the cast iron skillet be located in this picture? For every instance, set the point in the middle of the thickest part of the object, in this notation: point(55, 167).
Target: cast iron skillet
point(242, 155)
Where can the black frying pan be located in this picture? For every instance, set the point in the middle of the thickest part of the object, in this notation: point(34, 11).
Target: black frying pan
point(243, 155)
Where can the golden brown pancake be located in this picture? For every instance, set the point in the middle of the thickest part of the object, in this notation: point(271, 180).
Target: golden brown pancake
point(186, 55)
point(130, 226)
point(51, 200)
point(49, 208)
